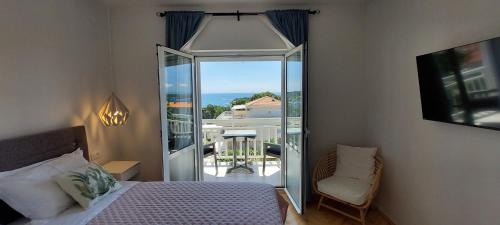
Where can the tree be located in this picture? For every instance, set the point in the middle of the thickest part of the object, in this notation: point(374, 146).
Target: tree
point(239, 101)
point(264, 94)
point(242, 101)
point(212, 111)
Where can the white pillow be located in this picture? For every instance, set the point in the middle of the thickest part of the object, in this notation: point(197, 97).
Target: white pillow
point(355, 162)
point(88, 184)
point(68, 162)
point(75, 157)
point(12, 172)
point(32, 191)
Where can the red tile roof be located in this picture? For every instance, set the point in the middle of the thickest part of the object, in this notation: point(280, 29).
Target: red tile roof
point(264, 101)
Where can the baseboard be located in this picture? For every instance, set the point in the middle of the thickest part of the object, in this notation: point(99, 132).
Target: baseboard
point(387, 218)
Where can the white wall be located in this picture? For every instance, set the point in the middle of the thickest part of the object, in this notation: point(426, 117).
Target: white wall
point(249, 33)
point(335, 77)
point(435, 173)
point(264, 112)
point(53, 68)
point(54, 72)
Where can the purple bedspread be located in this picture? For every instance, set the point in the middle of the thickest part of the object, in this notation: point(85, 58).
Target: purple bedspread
point(191, 203)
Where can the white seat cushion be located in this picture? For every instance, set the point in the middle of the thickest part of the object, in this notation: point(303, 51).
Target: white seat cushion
point(352, 190)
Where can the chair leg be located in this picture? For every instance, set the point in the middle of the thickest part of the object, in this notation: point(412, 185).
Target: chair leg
point(319, 203)
point(216, 166)
point(362, 214)
point(264, 165)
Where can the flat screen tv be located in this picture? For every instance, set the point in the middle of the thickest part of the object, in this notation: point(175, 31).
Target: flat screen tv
point(461, 85)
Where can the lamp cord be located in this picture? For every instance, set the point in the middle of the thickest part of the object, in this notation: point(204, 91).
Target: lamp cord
point(110, 52)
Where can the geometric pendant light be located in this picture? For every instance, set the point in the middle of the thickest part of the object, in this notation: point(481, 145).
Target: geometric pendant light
point(113, 112)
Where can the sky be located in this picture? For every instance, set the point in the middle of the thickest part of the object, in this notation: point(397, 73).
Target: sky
point(240, 76)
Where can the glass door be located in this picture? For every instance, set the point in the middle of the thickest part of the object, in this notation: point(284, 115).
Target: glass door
point(178, 117)
point(294, 127)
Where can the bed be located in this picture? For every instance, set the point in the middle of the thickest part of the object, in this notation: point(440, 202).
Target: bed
point(144, 202)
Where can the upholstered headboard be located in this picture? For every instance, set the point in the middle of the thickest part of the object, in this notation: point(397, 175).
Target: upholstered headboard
point(23, 151)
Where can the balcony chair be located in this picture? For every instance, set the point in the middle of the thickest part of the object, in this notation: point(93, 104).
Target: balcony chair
point(208, 150)
point(273, 150)
point(350, 176)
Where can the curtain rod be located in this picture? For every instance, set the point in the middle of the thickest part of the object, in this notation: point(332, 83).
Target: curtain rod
point(237, 13)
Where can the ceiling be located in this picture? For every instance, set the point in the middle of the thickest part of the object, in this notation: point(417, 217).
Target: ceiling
point(210, 2)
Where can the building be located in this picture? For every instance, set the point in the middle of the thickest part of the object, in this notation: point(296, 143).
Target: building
point(265, 107)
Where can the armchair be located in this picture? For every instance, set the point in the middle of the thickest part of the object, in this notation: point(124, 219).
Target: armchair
point(357, 194)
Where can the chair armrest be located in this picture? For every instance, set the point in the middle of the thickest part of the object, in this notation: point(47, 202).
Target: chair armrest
point(324, 168)
point(379, 166)
point(268, 145)
point(210, 145)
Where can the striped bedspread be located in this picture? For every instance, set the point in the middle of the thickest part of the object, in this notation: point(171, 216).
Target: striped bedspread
point(192, 203)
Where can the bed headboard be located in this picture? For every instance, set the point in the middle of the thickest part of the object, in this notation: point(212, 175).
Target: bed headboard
point(23, 151)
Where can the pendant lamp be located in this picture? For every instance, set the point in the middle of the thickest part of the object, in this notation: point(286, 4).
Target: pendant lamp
point(113, 112)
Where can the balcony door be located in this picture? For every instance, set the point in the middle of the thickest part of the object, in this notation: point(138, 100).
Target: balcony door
point(179, 119)
point(295, 106)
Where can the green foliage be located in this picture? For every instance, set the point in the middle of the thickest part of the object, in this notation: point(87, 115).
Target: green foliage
point(212, 111)
point(264, 94)
point(242, 101)
point(294, 104)
point(239, 101)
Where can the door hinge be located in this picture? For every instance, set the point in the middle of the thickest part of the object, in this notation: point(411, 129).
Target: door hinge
point(307, 132)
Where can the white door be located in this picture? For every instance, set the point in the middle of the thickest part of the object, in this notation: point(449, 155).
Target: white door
point(179, 119)
point(294, 125)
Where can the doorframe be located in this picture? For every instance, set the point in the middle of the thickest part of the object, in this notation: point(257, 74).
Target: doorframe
point(248, 55)
point(304, 132)
point(164, 123)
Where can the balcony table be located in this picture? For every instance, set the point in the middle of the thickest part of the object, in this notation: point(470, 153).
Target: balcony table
point(240, 133)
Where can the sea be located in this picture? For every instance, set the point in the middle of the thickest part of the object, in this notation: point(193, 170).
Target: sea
point(222, 99)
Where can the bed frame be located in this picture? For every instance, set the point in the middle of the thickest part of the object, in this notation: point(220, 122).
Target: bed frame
point(19, 152)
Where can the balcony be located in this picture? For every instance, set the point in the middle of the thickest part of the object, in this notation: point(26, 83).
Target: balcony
point(268, 130)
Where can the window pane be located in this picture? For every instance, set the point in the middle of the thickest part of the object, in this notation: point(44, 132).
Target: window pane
point(294, 126)
point(179, 101)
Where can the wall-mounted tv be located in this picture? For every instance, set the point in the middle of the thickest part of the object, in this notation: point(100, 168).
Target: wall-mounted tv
point(461, 85)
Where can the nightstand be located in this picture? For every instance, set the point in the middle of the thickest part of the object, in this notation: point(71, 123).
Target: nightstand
point(122, 170)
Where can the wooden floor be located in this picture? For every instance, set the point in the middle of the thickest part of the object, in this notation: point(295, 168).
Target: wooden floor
point(312, 216)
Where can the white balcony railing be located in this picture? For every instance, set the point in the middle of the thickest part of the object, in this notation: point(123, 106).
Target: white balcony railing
point(268, 131)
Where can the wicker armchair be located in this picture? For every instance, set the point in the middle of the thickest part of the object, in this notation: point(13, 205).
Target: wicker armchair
point(326, 167)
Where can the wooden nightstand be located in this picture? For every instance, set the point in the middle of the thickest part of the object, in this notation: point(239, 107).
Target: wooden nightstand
point(122, 170)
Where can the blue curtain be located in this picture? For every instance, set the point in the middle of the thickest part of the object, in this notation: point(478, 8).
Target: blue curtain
point(181, 26)
point(292, 23)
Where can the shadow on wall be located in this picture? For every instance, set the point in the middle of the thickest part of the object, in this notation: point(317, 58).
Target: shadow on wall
point(101, 144)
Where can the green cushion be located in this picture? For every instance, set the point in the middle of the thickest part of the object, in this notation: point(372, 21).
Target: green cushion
point(88, 184)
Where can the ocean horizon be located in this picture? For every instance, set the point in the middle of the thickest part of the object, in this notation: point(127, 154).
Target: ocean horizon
point(222, 99)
